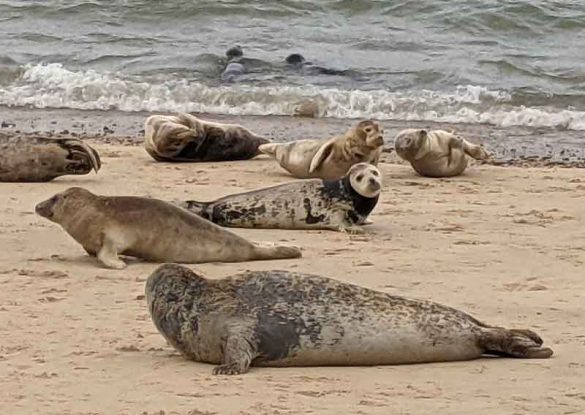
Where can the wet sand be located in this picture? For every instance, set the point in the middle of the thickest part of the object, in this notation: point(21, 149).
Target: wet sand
point(505, 244)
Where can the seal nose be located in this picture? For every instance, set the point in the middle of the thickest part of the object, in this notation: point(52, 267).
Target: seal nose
point(41, 210)
point(374, 184)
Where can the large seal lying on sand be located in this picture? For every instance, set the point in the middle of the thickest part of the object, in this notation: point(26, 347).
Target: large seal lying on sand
point(150, 229)
point(436, 153)
point(329, 159)
point(303, 204)
point(41, 159)
point(280, 318)
point(185, 137)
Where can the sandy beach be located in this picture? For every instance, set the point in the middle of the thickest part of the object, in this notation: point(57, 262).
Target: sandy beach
point(506, 244)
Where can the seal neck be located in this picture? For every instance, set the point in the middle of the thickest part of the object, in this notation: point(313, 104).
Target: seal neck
point(361, 204)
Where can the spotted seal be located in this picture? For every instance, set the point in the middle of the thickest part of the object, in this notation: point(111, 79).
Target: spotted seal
point(280, 318)
point(329, 159)
point(41, 159)
point(150, 229)
point(184, 137)
point(436, 153)
point(303, 204)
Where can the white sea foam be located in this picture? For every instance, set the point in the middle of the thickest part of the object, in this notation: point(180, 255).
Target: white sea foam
point(53, 86)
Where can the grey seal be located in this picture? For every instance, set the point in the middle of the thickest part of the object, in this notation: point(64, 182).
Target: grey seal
point(436, 153)
point(186, 138)
point(339, 205)
point(280, 318)
point(41, 159)
point(234, 67)
point(150, 229)
point(329, 159)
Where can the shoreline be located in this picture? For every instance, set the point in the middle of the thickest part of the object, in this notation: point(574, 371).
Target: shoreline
point(510, 146)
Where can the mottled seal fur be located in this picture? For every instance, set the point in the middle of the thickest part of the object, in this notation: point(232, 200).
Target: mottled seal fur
point(150, 229)
point(41, 159)
point(303, 204)
point(280, 318)
point(436, 153)
point(329, 159)
point(184, 137)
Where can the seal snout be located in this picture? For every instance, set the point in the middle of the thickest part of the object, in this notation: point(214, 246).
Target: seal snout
point(374, 184)
point(44, 209)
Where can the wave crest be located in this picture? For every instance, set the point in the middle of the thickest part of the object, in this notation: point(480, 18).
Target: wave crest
point(53, 86)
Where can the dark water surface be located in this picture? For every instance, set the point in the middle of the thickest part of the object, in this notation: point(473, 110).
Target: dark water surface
point(498, 62)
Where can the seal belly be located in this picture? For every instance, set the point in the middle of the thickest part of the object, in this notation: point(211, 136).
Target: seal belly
point(401, 345)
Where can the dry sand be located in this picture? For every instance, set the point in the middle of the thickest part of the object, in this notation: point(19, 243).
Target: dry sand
point(505, 244)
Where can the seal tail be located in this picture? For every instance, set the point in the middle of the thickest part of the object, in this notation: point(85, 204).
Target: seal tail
point(521, 343)
point(275, 252)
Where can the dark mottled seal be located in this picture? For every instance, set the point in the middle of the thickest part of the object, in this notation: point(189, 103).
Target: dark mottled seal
point(150, 229)
point(41, 159)
point(436, 153)
point(185, 138)
point(303, 204)
point(280, 318)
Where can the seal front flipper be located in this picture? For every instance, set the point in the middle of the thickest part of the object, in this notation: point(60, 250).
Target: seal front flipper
point(108, 254)
point(521, 343)
point(239, 351)
point(324, 152)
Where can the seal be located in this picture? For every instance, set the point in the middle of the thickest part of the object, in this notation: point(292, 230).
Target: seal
point(41, 159)
point(234, 67)
point(150, 229)
point(279, 318)
point(329, 159)
point(339, 205)
point(185, 137)
point(436, 153)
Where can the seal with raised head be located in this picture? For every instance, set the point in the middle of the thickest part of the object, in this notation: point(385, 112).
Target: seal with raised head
point(329, 159)
point(150, 229)
point(340, 205)
point(436, 153)
point(280, 318)
point(185, 138)
point(26, 158)
point(234, 67)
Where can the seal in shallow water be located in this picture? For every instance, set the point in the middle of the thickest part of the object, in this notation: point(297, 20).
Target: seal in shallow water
point(280, 318)
point(436, 153)
point(303, 204)
point(329, 159)
point(41, 159)
point(150, 229)
point(185, 137)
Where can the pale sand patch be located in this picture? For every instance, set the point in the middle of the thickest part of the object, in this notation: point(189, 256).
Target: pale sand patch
point(505, 244)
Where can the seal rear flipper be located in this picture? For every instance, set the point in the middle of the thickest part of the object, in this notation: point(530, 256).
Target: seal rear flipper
point(275, 252)
point(79, 154)
point(198, 208)
point(519, 343)
point(269, 149)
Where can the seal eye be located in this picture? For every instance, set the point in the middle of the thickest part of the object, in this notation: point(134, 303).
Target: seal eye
point(375, 173)
point(368, 130)
point(360, 177)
